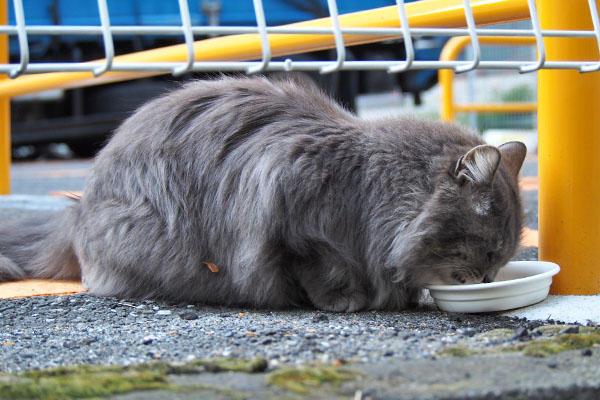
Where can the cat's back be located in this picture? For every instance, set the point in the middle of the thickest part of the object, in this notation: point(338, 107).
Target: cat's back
point(211, 134)
point(220, 109)
point(422, 135)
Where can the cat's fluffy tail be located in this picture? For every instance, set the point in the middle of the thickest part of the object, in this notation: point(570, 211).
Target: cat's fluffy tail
point(39, 247)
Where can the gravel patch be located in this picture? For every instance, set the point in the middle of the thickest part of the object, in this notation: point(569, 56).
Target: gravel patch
point(45, 332)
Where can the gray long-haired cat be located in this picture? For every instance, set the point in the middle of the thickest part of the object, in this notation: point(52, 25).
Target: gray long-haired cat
point(265, 193)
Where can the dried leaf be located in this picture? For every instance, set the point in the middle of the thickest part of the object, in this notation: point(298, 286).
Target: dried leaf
point(212, 267)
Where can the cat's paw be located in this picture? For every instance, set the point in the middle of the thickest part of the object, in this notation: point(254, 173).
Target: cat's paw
point(9, 271)
point(343, 303)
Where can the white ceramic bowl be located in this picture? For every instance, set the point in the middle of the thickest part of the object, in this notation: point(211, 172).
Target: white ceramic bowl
point(518, 284)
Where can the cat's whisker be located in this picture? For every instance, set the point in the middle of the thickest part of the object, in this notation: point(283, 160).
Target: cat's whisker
point(441, 256)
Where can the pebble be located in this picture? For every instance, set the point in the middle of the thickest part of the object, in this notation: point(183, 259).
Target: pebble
point(470, 332)
point(320, 317)
point(535, 333)
point(571, 329)
point(148, 339)
point(164, 313)
point(586, 352)
point(188, 315)
point(521, 333)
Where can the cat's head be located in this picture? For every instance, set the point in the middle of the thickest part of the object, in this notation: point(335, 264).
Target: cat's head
point(472, 225)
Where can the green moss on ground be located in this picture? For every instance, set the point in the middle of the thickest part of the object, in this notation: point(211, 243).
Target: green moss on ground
point(498, 333)
point(233, 364)
point(303, 379)
point(588, 337)
point(80, 382)
point(456, 351)
point(84, 382)
point(568, 341)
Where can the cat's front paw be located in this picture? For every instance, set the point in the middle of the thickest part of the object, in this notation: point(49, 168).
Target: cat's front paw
point(342, 303)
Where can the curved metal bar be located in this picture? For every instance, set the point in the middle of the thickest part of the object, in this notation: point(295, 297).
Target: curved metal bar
point(339, 40)
point(189, 39)
point(261, 22)
point(408, 42)
point(474, 41)
point(23, 43)
point(109, 47)
point(451, 51)
point(535, 21)
point(596, 22)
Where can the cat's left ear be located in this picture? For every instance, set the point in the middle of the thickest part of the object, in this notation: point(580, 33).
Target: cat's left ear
point(513, 155)
point(478, 166)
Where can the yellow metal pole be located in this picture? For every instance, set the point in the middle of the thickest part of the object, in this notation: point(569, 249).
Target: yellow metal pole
point(569, 153)
point(450, 52)
point(4, 110)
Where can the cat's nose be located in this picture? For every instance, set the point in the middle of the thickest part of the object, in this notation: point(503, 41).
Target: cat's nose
point(490, 276)
point(458, 278)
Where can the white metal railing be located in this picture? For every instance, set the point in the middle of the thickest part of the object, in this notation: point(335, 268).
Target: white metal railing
point(107, 31)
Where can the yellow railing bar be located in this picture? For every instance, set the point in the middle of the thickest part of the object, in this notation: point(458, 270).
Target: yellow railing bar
point(451, 51)
point(512, 107)
point(4, 110)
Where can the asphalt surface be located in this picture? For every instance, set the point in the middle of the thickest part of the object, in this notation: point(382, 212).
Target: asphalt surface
point(422, 353)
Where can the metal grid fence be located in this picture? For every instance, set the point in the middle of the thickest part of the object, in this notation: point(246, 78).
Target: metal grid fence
point(340, 32)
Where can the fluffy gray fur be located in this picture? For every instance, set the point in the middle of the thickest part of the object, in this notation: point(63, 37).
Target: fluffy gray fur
point(294, 199)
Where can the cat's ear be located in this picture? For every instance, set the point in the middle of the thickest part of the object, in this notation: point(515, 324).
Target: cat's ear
point(478, 166)
point(513, 155)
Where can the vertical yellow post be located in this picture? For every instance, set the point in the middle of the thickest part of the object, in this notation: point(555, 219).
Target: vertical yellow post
point(446, 81)
point(569, 153)
point(4, 110)
point(450, 52)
